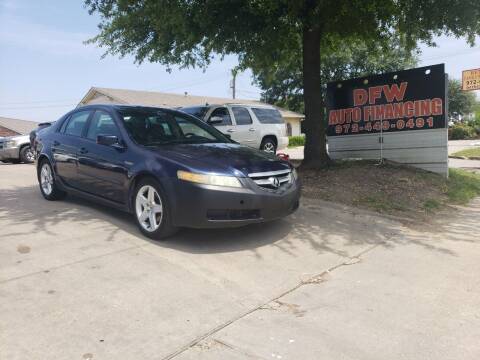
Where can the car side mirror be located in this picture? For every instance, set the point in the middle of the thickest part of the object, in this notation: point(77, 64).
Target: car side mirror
point(109, 140)
point(215, 120)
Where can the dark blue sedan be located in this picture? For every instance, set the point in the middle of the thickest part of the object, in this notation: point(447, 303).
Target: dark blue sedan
point(166, 167)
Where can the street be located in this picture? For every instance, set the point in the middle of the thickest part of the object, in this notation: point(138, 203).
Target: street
point(78, 281)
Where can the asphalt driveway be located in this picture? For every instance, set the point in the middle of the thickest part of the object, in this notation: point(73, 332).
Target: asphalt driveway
point(77, 281)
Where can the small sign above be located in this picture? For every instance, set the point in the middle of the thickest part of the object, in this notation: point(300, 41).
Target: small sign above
point(471, 80)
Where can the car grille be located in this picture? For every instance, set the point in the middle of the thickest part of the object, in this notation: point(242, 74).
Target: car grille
point(272, 180)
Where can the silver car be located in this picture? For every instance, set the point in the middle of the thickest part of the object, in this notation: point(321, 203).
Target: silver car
point(16, 149)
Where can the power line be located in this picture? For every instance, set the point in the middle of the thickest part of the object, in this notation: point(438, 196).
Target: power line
point(466, 52)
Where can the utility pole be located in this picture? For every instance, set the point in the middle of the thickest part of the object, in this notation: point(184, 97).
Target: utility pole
point(232, 83)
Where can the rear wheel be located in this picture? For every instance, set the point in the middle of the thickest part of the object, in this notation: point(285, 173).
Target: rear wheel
point(46, 180)
point(268, 145)
point(151, 210)
point(27, 155)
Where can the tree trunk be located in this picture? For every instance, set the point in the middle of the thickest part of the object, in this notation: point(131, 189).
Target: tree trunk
point(315, 152)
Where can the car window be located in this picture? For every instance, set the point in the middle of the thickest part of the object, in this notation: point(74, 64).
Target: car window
point(102, 123)
point(242, 116)
point(198, 111)
point(190, 129)
point(153, 127)
point(268, 116)
point(223, 113)
point(77, 123)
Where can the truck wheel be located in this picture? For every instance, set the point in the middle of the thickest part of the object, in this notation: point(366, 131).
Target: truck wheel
point(268, 145)
point(27, 155)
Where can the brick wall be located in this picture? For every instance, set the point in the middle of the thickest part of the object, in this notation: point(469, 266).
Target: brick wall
point(7, 132)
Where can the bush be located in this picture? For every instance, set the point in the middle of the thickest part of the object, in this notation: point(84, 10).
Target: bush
point(461, 132)
point(296, 140)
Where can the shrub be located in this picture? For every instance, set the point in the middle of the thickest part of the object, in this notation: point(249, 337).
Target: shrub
point(461, 132)
point(296, 140)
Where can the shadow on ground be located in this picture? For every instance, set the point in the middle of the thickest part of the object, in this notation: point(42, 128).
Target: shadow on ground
point(322, 226)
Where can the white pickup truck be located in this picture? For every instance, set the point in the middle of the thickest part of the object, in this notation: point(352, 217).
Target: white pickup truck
point(258, 126)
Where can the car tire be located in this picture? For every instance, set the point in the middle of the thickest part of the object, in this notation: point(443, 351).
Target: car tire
point(27, 155)
point(47, 182)
point(152, 211)
point(268, 145)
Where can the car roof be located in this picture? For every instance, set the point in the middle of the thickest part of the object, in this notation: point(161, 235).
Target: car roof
point(122, 107)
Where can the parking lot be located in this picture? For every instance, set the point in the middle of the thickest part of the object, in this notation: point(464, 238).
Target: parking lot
point(78, 281)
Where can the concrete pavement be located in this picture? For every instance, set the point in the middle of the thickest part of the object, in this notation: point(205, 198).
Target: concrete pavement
point(78, 281)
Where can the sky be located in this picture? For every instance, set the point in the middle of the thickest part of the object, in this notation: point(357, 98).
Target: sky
point(46, 69)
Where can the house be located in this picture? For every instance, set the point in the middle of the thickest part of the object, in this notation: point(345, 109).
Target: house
point(98, 95)
point(12, 127)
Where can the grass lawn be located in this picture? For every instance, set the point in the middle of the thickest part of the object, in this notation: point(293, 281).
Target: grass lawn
point(390, 189)
point(474, 152)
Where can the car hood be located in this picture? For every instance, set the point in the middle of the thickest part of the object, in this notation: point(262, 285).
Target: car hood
point(231, 157)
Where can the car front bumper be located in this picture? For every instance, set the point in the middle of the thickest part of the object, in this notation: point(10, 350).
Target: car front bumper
point(205, 206)
point(9, 153)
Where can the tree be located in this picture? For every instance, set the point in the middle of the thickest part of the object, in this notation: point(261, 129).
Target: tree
point(282, 83)
point(189, 32)
point(459, 102)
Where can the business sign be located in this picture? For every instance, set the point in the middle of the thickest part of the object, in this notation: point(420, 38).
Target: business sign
point(399, 101)
point(471, 80)
point(398, 116)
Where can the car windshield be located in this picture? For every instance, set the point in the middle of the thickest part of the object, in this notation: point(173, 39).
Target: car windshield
point(154, 127)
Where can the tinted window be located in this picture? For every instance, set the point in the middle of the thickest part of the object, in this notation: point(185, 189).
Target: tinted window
point(151, 127)
point(198, 111)
point(223, 113)
point(268, 116)
point(101, 124)
point(242, 116)
point(77, 123)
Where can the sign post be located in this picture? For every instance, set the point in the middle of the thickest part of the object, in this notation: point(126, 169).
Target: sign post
point(399, 116)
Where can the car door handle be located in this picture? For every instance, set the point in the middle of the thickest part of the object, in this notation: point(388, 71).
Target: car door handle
point(56, 143)
point(83, 150)
point(230, 130)
point(251, 129)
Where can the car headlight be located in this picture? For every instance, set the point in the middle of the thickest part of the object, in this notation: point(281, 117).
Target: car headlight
point(294, 174)
point(218, 180)
point(9, 144)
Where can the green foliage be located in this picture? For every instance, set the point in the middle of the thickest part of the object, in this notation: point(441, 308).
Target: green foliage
point(463, 186)
point(431, 204)
point(461, 132)
point(282, 83)
point(469, 153)
point(459, 102)
point(298, 140)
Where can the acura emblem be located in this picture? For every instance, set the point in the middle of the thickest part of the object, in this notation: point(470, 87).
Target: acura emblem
point(275, 182)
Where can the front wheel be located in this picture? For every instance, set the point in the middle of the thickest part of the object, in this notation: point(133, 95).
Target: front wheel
point(151, 210)
point(46, 180)
point(268, 145)
point(27, 155)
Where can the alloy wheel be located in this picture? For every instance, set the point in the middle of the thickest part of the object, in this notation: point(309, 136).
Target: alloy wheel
point(30, 155)
point(269, 147)
point(46, 179)
point(149, 208)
